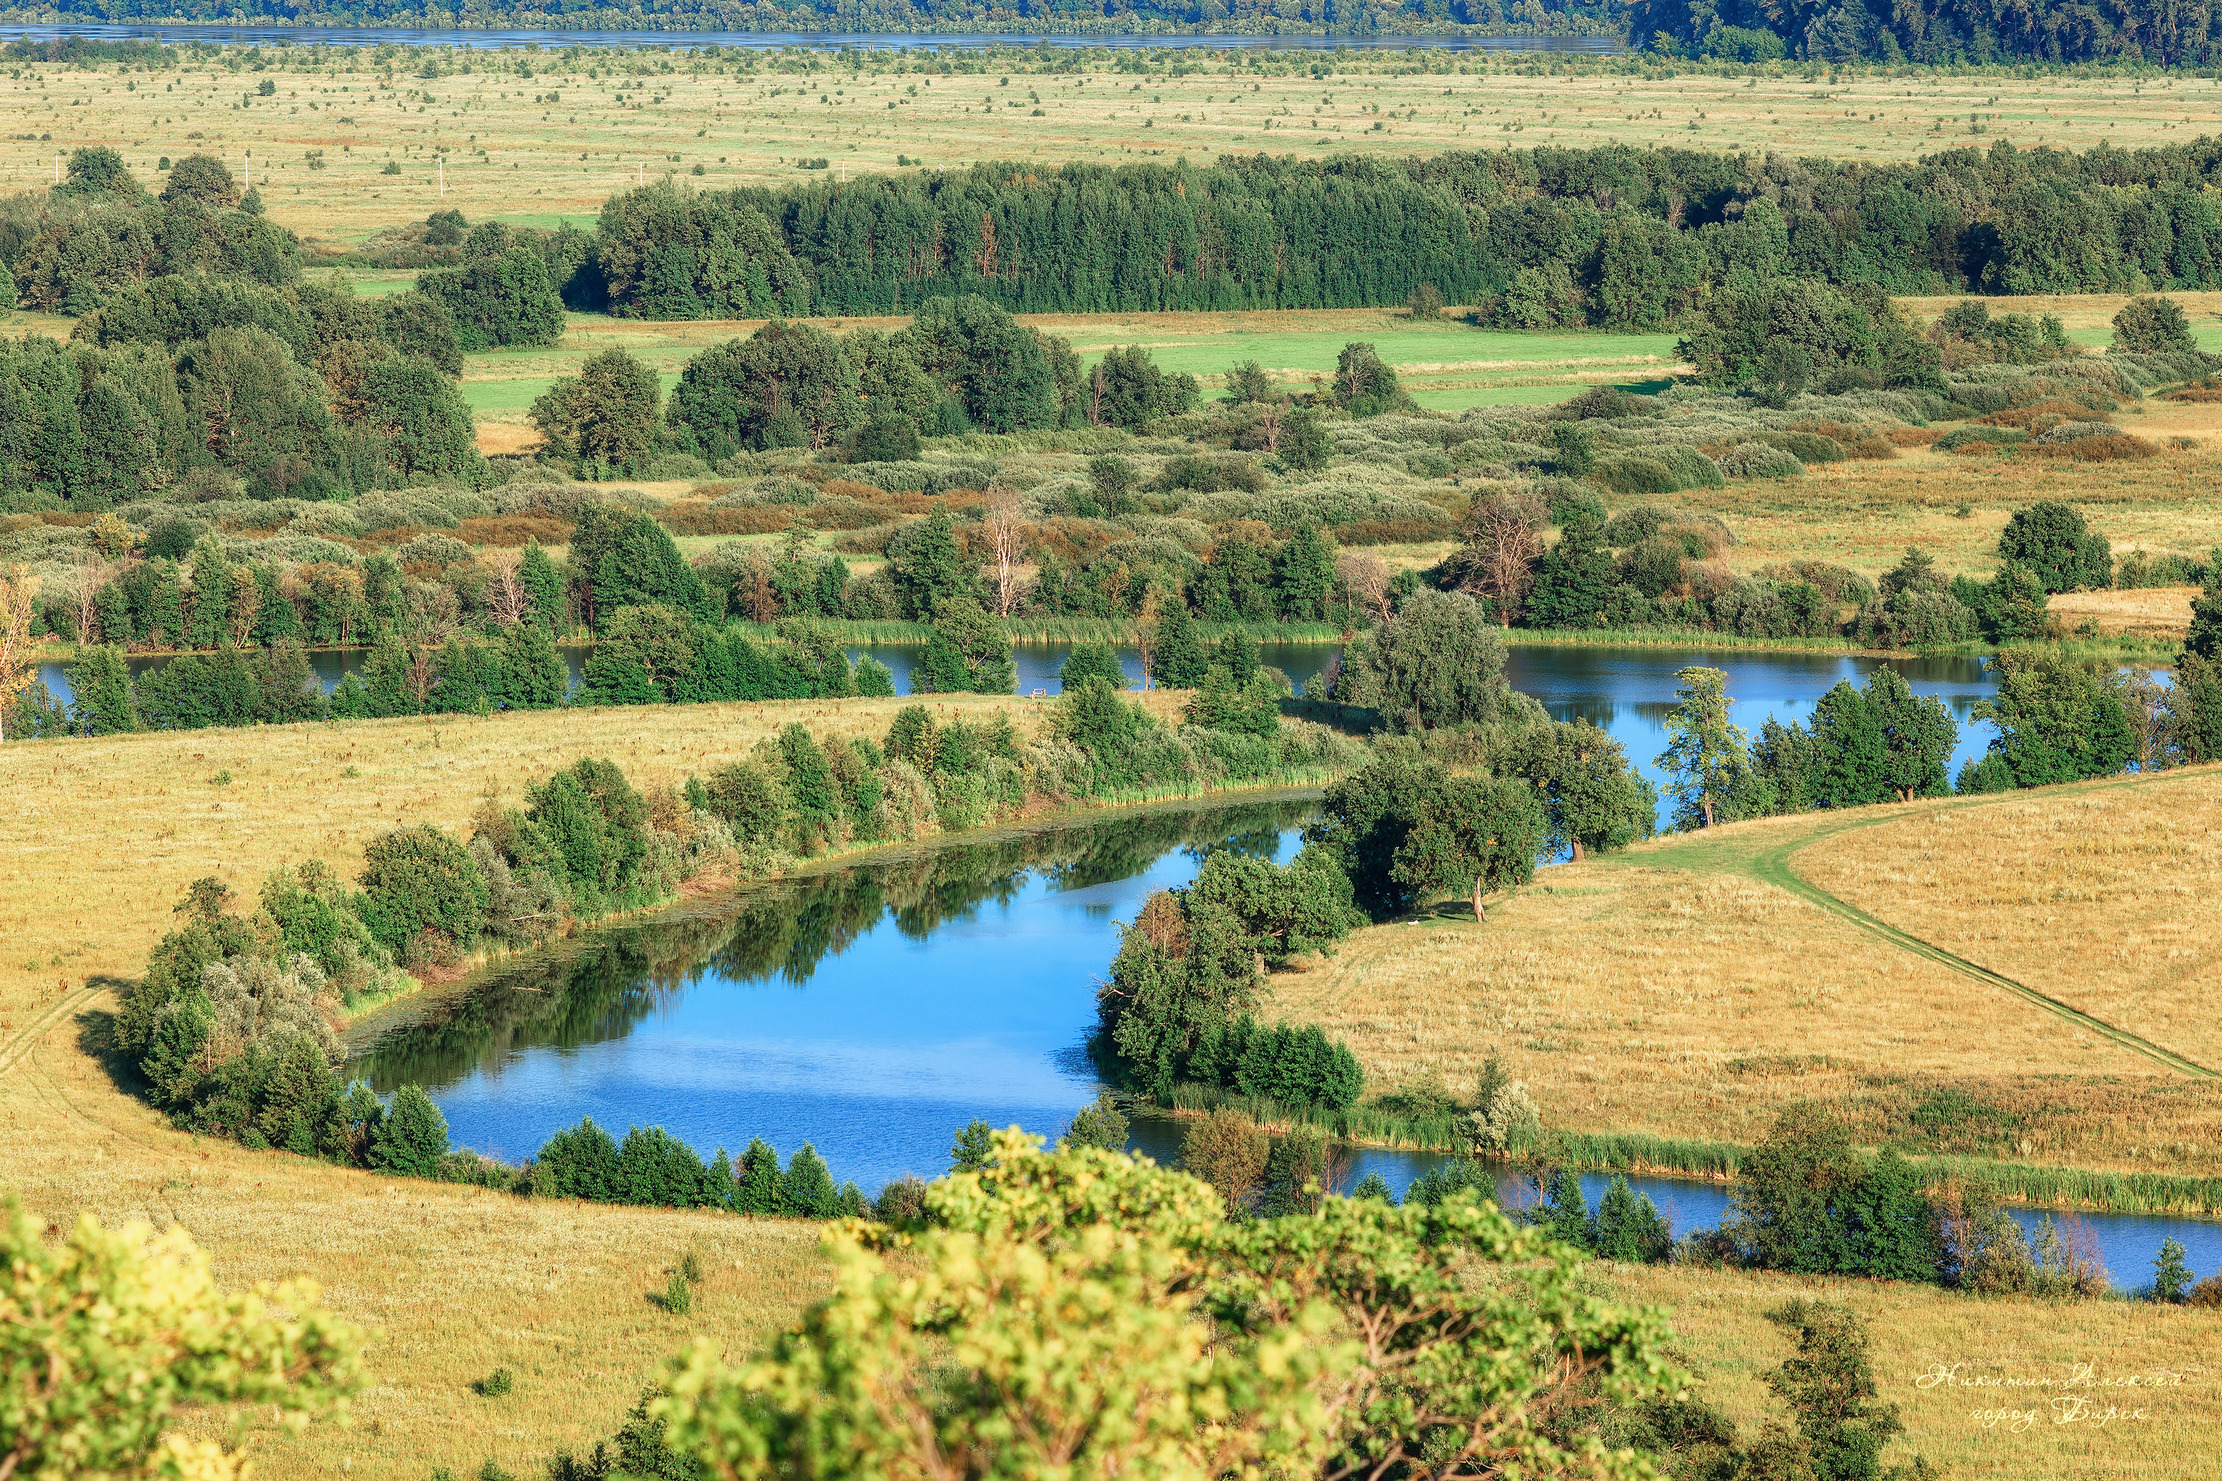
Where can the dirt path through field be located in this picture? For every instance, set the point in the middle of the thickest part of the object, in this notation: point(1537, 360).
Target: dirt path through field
point(1767, 857)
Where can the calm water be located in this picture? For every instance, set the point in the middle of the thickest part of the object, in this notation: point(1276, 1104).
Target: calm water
point(870, 1011)
point(874, 1009)
point(253, 35)
point(1624, 691)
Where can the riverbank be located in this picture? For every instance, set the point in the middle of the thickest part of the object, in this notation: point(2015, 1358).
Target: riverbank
point(1881, 962)
point(2028, 1185)
point(1053, 632)
point(710, 897)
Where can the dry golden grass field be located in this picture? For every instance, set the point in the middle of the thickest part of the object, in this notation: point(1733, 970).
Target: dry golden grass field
point(2068, 1366)
point(536, 138)
point(81, 902)
point(2098, 898)
point(1672, 991)
point(1677, 990)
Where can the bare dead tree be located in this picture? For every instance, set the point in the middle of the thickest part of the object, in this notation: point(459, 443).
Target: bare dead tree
point(92, 575)
point(1269, 425)
point(18, 595)
point(1366, 577)
point(424, 671)
point(507, 597)
point(1006, 527)
point(758, 594)
point(246, 605)
point(1503, 542)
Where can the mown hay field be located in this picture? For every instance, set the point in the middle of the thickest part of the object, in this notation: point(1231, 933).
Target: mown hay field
point(2096, 898)
point(99, 836)
point(537, 139)
point(1672, 992)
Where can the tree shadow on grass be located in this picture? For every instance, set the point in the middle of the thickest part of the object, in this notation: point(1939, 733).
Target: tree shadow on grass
point(96, 1040)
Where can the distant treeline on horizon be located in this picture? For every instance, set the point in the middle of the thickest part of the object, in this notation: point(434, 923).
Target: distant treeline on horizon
point(1949, 32)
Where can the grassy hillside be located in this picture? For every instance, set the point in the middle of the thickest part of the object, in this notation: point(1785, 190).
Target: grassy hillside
point(1693, 987)
point(100, 836)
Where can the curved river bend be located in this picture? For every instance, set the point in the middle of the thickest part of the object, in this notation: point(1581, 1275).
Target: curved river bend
point(873, 1008)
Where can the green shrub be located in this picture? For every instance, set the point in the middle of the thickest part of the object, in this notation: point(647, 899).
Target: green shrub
point(423, 897)
point(412, 1137)
point(676, 1297)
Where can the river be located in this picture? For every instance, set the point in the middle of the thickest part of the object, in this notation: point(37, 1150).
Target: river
point(237, 34)
point(1625, 692)
point(871, 1009)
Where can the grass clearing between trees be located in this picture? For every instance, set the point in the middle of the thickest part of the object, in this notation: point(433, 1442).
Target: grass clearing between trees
point(1673, 991)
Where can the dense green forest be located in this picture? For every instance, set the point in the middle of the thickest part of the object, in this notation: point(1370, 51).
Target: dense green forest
point(1615, 236)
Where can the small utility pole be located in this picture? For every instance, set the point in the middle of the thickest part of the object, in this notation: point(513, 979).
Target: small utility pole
point(57, 169)
point(443, 177)
point(639, 178)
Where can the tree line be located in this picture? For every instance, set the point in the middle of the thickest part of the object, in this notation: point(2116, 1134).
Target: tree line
point(201, 360)
point(1648, 566)
point(1059, 17)
point(1948, 32)
point(1618, 236)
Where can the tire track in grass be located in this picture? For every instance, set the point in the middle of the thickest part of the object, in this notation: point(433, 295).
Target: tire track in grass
point(15, 1049)
point(1773, 867)
point(1770, 865)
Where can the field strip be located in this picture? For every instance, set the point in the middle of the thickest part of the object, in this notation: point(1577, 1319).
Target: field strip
point(1773, 867)
point(41, 1026)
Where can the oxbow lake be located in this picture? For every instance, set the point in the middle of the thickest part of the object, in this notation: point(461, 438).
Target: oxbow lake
point(871, 1009)
point(1624, 691)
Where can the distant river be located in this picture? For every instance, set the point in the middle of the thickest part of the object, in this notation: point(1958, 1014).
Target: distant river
point(1625, 692)
point(234, 34)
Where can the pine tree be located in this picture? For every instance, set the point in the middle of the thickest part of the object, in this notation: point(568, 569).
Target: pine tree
point(1177, 658)
point(757, 1183)
point(543, 585)
point(2205, 637)
point(536, 677)
point(810, 787)
point(413, 1136)
point(806, 1191)
point(104, 703)
point(2171, 1277)
point(1627, 1227)
point(1304, 574)
point(1574, 582)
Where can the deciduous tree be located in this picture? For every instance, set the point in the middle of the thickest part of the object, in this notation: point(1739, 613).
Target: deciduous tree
point(107, 1335)
point(1709, 755)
